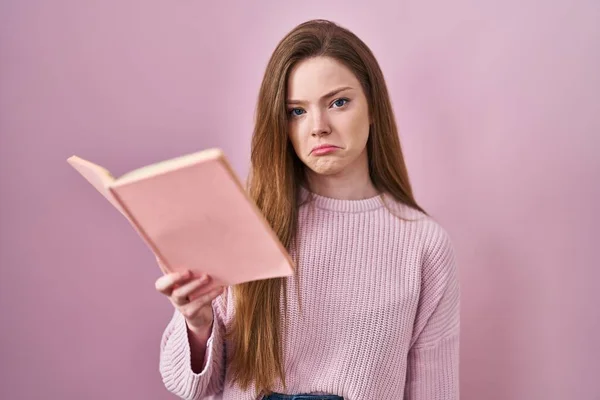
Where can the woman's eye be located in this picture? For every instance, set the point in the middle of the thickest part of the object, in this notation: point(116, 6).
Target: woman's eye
point(340, 102)
point(296, 111)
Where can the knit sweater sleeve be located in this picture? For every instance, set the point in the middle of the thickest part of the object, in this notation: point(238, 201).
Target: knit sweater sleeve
point(175, 358)
point(433, 359)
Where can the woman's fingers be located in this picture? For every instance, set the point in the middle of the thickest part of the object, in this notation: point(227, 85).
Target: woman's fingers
point(192, 310)
point(183, 294)
point(166, 283)
point(192, 295)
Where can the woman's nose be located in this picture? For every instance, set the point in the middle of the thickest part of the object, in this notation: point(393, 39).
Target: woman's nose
point(320, 124)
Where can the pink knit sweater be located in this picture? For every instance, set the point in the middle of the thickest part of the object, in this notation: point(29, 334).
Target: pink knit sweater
point(380, 311)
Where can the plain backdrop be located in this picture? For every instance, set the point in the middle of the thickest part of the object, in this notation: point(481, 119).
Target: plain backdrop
point(499, 115)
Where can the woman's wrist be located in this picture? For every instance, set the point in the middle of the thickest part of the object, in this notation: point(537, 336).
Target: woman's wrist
point(201, 333)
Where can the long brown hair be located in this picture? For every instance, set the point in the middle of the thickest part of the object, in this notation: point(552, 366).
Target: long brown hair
point(276, 173)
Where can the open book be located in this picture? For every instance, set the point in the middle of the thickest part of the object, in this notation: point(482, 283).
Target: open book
point(193, 213)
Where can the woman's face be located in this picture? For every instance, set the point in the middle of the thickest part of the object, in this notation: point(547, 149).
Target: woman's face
point(327, 106)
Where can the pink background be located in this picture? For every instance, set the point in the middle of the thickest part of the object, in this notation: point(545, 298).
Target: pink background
point(499, 114)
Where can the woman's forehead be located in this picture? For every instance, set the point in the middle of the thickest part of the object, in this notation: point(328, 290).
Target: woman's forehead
point(314, 78)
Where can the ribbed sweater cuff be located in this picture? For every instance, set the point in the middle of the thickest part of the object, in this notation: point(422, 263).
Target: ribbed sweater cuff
point(176, 362)
point(432, 372)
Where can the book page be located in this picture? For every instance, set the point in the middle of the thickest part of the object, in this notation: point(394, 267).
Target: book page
point(198, 217)
point(98, 176)
point(168, 165)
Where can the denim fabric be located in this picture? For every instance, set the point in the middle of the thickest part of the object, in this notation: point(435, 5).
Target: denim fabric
point(278, 396)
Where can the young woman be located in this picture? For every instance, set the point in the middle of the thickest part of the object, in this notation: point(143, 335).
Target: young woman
point(372, 311)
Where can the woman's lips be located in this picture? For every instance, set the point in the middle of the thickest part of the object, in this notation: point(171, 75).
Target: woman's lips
point(325, 149)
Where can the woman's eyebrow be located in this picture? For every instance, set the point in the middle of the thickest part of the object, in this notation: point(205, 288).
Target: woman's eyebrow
point(325, 96)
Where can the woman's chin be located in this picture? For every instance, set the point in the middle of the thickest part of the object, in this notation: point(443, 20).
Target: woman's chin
point(327, 167)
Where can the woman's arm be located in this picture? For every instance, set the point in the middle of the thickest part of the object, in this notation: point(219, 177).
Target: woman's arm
point(433, 359)
point(192, 366)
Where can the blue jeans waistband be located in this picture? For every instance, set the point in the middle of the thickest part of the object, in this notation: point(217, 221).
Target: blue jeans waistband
point(279, 396)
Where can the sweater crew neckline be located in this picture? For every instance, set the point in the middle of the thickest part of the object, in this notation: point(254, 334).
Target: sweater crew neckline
point(341, 205)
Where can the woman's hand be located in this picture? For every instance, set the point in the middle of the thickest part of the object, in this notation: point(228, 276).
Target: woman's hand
point(192, 296)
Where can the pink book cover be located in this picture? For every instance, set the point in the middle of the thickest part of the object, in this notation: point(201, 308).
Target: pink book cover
point(193, 213)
